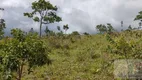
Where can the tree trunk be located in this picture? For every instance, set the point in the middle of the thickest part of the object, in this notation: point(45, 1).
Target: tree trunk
point(20, 72)
point(40, 27)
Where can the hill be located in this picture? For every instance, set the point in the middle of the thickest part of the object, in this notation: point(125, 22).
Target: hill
point(81, 57)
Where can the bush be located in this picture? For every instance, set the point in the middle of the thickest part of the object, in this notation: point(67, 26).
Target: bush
point(21, 50)
point(75, 33)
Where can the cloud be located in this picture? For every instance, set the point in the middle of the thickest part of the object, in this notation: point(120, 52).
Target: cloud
point(84, 15)
point(81, 15)
point(16, 3)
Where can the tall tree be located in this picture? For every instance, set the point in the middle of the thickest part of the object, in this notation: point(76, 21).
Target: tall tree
point(139, 17)
point(102, 28)
point(122, 25)
point(66, 27)
point(43, 12)
point(2, 25)
point(110, 28)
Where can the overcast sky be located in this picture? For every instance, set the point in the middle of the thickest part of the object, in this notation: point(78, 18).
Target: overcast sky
point(81, 15)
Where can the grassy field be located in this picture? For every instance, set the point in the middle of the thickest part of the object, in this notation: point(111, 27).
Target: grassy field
point(76, 58)
point(83, 57)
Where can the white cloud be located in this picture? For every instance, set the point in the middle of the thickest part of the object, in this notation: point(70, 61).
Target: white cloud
point(15, 3)
point(81, 15)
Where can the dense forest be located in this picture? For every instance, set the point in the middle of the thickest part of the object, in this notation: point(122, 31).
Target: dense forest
point(62, 56)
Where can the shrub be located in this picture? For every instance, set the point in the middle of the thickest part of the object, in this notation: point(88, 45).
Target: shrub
point(21, 50)
point(75, 33)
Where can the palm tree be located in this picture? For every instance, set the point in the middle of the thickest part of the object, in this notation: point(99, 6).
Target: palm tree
point(65, 27)
point(122, 25)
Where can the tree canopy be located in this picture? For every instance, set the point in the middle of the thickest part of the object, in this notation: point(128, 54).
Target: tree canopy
point(43, 12)
point(65, 27)
point(2, 25)
point(139, 16)
point(21, 50)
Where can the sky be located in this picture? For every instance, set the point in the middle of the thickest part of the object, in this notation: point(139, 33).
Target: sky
point(80, 15)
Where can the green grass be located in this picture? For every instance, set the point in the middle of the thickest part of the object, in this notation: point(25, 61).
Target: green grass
point(85, 59)
point(78, 58)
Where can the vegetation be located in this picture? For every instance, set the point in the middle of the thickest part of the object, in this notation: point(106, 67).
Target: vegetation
point(62, 56)
point(43, 12)
point(65, 27)
point(2, 26)
point(82, 57)
point(19, 51)
point(139, 16)
point(105, 29)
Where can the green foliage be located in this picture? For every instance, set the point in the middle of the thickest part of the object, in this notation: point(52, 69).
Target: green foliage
point(53, 42)
point(60, 34)
point(102, 28)
point(32, 31)
point(58, 27)
point(110, 28)
point(58, 42)
point(2, 27)
point(46, 12)
point(130, 28)
point(52, 33)
point(75, 33)
point(120, 45)
point(139, 16)
point(85, 33)
point(19, 51)
point(65, 27)
point(47, 31)
point(126, 48)
point(74, 56)
point(79, 60)
point(105, 29)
